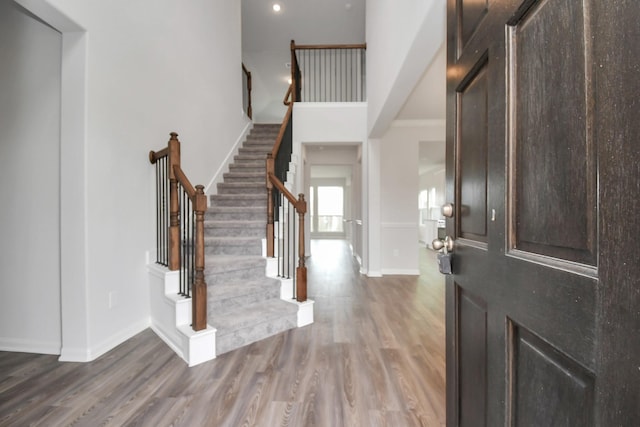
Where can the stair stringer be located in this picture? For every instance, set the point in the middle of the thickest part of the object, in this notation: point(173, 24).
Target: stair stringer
point(217, 178)
point(171, 318)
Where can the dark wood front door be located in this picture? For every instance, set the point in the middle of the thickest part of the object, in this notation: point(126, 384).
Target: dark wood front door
point(543, 143)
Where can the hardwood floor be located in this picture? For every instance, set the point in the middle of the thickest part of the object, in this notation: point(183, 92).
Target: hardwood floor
point(374, 357)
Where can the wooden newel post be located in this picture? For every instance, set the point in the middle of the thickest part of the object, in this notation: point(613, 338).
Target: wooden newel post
point(294, 71)
point(270, 231)
point(199, 291)
point(301, 271)
point(174, 208)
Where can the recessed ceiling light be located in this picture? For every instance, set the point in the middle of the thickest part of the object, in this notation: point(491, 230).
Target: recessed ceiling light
point(276, 7)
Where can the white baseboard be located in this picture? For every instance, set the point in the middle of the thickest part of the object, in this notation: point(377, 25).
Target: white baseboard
point(401, 272)
point(29, 346)
point(157, 329)
point(93, 352)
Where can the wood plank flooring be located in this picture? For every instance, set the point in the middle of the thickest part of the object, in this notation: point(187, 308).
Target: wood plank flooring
point(374, 357)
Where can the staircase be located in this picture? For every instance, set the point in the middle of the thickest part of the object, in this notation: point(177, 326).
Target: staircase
point(243, 304)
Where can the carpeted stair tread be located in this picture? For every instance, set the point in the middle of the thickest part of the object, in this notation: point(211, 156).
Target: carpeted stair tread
point(265, 143)
point(252, 149)
point(233, 289)
point(235, 213)
point(215, 264)
point(251, 164)
point(229, 296)
point(214, 223)
point(252, 323)
point(256, 176)
point(250, 157)
point(242, 187)
point(246, 166)
point(233, 245)
point(235, 228)
point(239, 199)
point(251, 314)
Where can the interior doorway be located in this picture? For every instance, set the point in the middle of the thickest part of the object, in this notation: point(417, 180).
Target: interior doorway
point(333, 182)
point(30, 152)
point(327, 214)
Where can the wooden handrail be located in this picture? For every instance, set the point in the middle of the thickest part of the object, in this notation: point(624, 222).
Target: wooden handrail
point(154, 156)
point(184, 181)
point(300, 206)
point(249, 87)
point(283, 130)
point(272, 181)
point(290, 197)
point(329, 46)
point(199, 287)
point(288, 95)
point(343, 83)
point(199, 202)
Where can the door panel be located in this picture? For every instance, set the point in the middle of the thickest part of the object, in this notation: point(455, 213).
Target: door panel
point(526, 301)
point(472, 157)
point(472, 12)
point(547, 386)
point(553, 157)
point(472, 343)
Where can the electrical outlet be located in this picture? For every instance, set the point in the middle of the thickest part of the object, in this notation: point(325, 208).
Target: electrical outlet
point(396, 252)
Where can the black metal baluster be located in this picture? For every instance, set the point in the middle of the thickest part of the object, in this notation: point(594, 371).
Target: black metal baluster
point(165, 212)
point(350, 75)
point(364, 70)
point(183, 239)
point(185, 225)
point(280, 221)
point(340, 73)
point(289, 240)
point(192, 258)
point(335, 74)
point(324, 60)
point(161, 224)
point(158, 201)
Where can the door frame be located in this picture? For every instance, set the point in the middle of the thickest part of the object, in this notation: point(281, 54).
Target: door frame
point(73, 184)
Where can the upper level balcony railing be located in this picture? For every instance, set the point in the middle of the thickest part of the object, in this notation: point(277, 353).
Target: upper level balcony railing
point(329, 73)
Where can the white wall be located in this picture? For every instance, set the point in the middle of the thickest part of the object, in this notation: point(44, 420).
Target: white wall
point(433, 179)
point(399, 189)
point(141, 69)
point(398, 202)
point(401, 43)
point(267, 96)
point(30, 81)
point(332, 124)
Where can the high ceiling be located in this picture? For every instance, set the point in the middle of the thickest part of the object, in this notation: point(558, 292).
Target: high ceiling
point(266, 36)
point(305, 21)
